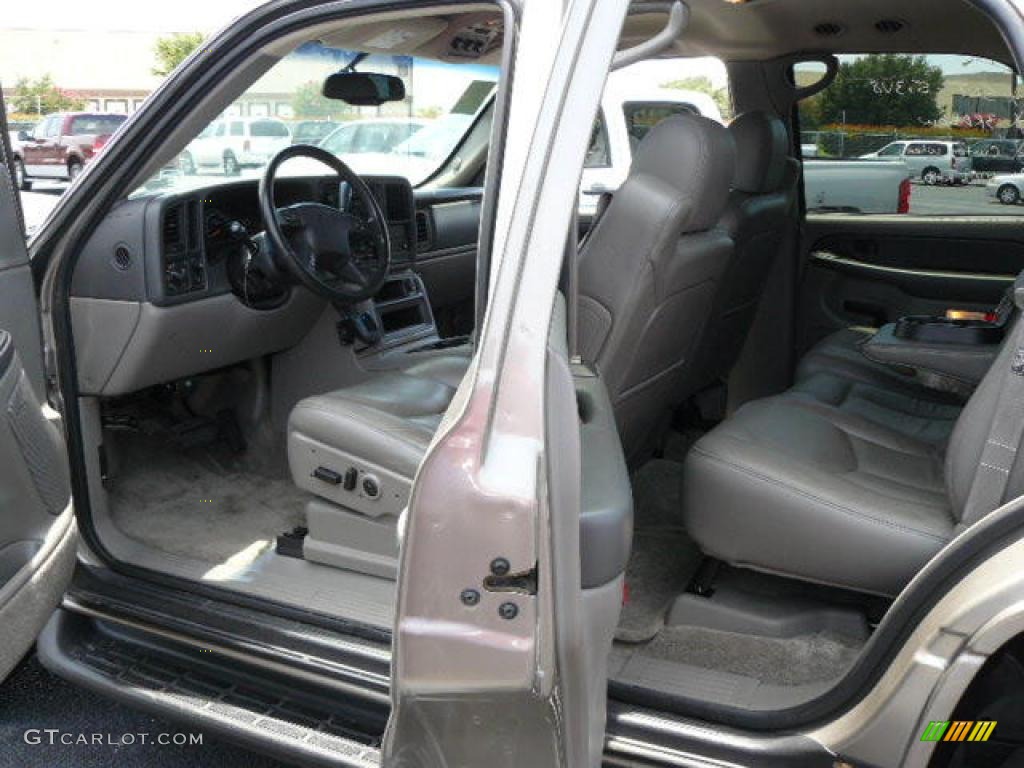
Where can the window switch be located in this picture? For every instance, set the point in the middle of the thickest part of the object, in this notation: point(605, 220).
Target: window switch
point(351, 476)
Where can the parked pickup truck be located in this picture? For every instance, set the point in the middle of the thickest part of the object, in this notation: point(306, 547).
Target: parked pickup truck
point(61, 144)
point(855, 186)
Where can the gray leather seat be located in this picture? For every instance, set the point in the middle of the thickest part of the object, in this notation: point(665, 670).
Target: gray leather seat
point(758, 217)
point(852, 490)
point(836, 373)
point(650, 268)
point(382, 426)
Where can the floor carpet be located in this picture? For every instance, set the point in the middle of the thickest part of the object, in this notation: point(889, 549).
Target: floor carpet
point(206, 503)
point(771, 660)
point(663, 559)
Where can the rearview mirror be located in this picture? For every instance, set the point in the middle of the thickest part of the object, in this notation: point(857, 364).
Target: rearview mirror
point(364, 89)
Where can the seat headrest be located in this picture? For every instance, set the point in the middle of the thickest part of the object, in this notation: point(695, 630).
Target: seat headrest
point(762, 147)
point(696, 157)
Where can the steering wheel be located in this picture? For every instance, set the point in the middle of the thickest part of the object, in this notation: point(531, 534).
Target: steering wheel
point(313, 239)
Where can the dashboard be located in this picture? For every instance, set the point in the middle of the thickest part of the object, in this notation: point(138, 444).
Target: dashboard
point(199, 230)
point(152, 298)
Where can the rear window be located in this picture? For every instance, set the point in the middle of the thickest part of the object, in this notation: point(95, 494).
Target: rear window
point(98, 125)
point(932, 150)
point(268, 129)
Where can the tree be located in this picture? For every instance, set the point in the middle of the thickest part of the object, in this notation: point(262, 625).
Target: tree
point(883, 89)
point(703, 84)
point(309, 102)
point(170, 51)
point(42, 96)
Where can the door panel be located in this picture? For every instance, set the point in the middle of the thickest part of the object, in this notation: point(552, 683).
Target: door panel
point(872, 270)
point(37, 535)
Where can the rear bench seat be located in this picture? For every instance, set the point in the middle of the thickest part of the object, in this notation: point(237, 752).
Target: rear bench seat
point(854, 477)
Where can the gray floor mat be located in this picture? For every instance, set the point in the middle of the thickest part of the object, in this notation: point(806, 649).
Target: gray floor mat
point(207, 503)
point(663, 559)
point(775, 661)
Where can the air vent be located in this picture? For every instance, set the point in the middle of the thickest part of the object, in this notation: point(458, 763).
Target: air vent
point(828, 29)
point(172, 235)
point(422, 230)
point(122, 257)
point(890, 26)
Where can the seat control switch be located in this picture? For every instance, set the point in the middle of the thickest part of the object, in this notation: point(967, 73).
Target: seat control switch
point(327, 475)
point(371, 487)
point(351, 477)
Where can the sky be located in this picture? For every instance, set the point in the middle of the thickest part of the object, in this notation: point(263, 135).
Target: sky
point(176, 16)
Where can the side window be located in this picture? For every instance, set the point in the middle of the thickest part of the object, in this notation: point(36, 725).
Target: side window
point(237, 129)
point(641, 117)
point(598, 155)
point(53, 127)
point(930, 135)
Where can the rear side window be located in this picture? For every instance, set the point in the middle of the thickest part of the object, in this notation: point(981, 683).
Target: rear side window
point(598, 154)
point(913, 119)
point(642, 116)
point(268, 129)
point(98, 125)
point(934, 150)
point(238, 129)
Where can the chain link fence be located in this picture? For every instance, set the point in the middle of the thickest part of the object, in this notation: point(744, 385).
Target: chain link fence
point(838, 144)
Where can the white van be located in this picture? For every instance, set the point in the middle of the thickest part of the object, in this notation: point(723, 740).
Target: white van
point(930, 161)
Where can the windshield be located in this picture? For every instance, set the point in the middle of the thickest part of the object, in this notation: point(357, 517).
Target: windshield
point(411, 138)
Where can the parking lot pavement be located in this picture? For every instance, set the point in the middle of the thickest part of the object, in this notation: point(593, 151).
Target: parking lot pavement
point(32, 700)
point(38, 203)
point(968, 200)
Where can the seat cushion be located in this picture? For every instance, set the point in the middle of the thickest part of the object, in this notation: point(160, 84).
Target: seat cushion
point(794, 486)
point(835, 373)
point(381, 427)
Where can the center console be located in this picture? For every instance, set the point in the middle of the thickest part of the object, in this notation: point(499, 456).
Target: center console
point(942, 353)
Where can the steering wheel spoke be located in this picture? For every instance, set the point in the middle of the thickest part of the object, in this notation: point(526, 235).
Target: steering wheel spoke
point(352, 273)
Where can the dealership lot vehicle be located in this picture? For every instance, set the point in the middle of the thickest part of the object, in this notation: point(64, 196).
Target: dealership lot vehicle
point(932, 162)
point(415, 468)
point(236, 143)
point(996, 156)
point(372, 135)
point(1008, 189)
point(312, 131)
point(59, 147)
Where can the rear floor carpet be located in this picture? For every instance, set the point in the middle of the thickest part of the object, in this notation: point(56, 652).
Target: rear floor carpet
point(205, 503)
point(663, 559)
point(775, 661)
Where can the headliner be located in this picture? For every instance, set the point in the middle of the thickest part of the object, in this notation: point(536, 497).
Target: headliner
point(767, 29)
